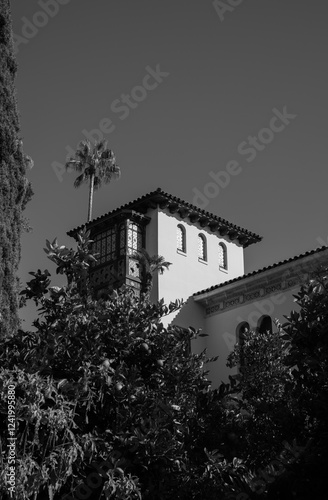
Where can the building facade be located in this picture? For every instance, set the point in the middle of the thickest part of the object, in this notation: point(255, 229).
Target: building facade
point(207, 271)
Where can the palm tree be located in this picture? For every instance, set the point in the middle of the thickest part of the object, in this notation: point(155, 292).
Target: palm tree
point(96, 164)
point(149, 266)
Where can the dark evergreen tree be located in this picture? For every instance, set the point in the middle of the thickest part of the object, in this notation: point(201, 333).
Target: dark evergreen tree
point(15, 190)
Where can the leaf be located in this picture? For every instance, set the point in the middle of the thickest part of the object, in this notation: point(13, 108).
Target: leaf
point(65, 251)
point(236, 462)
point(91, 257)
point(62, 383)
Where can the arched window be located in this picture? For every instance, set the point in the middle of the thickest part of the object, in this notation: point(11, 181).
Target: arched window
point(242, 328)
point(264, 324)
point(202, 249)
point(223, 263)
point(181, 238)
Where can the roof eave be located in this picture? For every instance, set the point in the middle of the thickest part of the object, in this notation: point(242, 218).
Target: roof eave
point(246, 279)
point(175, 205)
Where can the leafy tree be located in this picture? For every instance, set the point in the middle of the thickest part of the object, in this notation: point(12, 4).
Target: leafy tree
point(109, 404)
point(149, 266)
point(267, 412)
point(15, 190)
point(108, 401)
point(96, 164)
point(306, 333)
point(307, 337)
point(281, 405)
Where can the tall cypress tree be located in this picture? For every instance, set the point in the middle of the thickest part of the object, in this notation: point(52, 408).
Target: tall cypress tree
point(15, 190)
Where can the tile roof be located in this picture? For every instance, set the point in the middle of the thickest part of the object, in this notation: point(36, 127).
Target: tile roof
point(184, 209)
point(259, 271)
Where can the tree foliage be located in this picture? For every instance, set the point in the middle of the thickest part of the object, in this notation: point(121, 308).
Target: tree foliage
point(110, 404)
point(103, 382)
point(15, 190)
point(267, 412)
point(282, 402)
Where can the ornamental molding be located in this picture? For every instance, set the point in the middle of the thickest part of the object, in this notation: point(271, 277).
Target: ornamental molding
point(241, 294)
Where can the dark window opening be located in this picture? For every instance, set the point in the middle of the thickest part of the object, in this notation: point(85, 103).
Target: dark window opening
point(264, 325)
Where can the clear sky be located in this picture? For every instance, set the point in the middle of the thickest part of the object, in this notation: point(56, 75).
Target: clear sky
point(182, 90)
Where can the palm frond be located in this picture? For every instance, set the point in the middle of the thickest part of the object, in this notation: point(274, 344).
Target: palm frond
point(84, 147)
point(74, 164)
point(164, 266)
point(100, 146)
point(111, 173)
point(149, 266)
point(95, 162)
point(108, 154)
point(80, 180)
point(90, 169)
point(97, 183)
point(158, 263)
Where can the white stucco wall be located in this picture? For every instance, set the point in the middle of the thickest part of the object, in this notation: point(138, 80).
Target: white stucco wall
point(192, 315)
point(221, 328)
point(187, 274)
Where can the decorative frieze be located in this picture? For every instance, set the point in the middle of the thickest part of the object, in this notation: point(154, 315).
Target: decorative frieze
point(234, 297)
point(251, 296)
point(232, 302)
point(273, 288)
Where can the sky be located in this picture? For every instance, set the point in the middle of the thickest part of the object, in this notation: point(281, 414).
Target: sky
point(223, 104)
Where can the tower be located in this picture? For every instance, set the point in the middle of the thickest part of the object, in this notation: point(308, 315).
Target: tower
point(203, 248)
